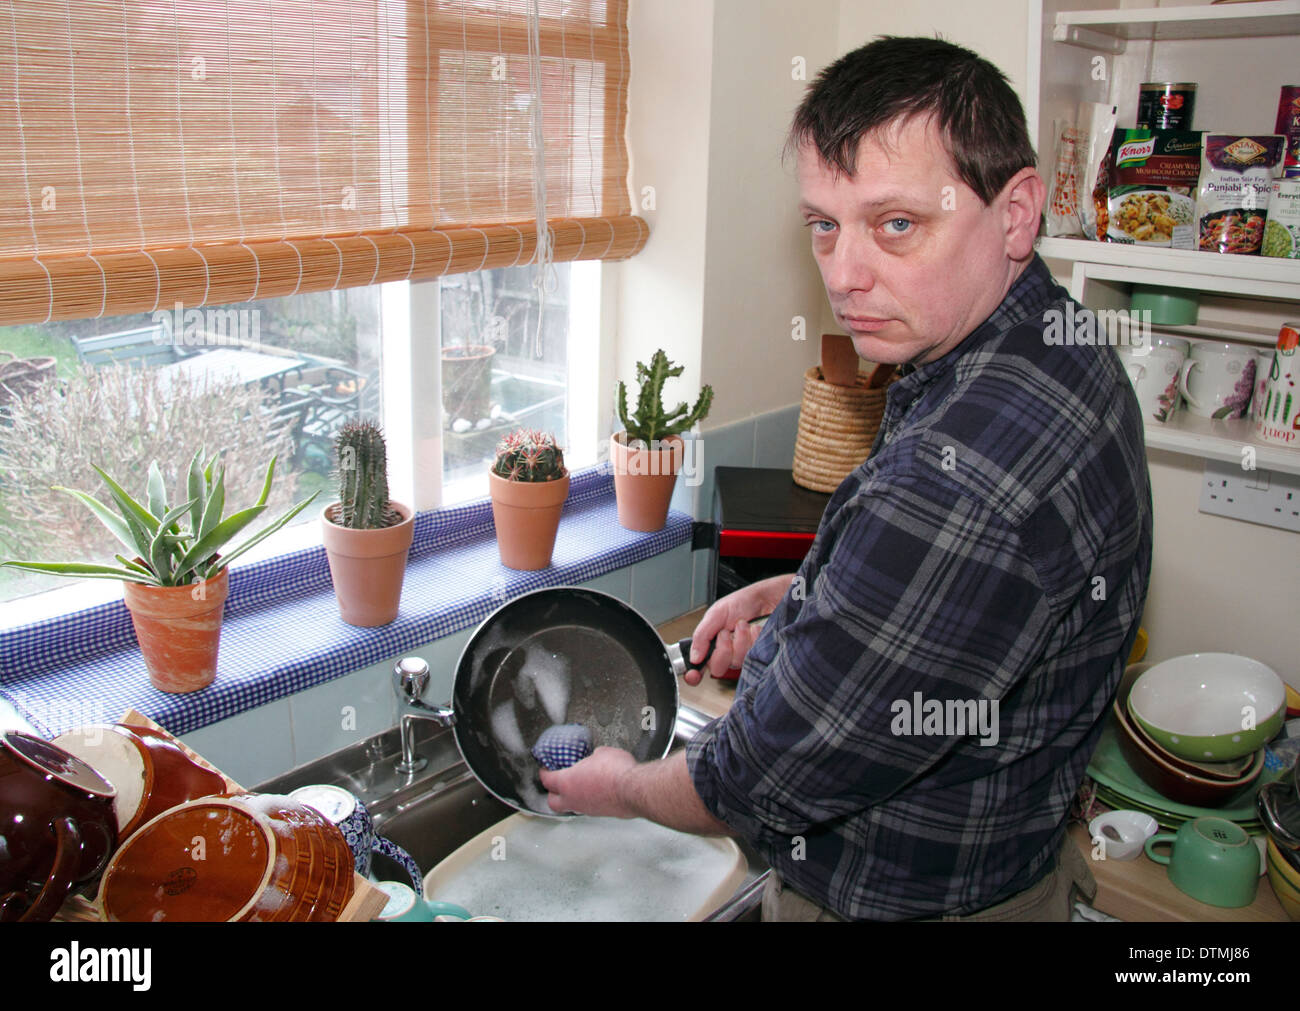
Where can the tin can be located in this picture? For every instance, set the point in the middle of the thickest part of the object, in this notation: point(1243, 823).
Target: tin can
point(1288, 125)
point(1163, 105)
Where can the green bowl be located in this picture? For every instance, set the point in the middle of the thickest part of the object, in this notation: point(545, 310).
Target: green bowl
point(1168, 306)
point(1209, 707)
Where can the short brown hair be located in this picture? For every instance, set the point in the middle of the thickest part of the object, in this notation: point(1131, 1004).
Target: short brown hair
point(978, 115)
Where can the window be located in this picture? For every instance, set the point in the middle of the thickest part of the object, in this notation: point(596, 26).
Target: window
point(356, 197)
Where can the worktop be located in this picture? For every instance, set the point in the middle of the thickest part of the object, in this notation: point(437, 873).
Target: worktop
point(1129, 890)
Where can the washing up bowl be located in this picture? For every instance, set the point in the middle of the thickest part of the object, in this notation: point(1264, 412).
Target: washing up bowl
point(434, 812)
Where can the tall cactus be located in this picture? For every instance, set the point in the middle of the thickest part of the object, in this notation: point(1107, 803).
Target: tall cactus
point(362, 462)
point(651, 422)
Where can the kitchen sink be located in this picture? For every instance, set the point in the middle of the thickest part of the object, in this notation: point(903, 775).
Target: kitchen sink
point(432, 812)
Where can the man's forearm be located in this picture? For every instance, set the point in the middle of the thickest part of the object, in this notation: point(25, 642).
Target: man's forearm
point(663, 792)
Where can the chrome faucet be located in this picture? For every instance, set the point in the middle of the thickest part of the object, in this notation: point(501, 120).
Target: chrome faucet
point(410, 679)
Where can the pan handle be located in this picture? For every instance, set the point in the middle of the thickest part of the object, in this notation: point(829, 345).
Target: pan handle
point(680, 652)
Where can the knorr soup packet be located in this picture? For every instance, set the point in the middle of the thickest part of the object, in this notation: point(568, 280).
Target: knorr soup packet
point(1151, 200)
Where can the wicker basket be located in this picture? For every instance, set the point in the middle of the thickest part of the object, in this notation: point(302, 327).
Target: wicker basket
point(837, 425)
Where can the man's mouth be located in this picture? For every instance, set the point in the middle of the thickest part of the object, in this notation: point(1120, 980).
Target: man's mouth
point(863, 324)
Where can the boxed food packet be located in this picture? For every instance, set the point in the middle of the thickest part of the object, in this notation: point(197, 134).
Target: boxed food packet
point(1095, 125)
point(1234, 189)
point(1151, 200)
point(1282, 226)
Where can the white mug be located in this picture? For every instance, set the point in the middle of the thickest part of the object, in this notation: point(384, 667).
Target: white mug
point(1217, 379)
point(1179, 344)
point(1154, 376)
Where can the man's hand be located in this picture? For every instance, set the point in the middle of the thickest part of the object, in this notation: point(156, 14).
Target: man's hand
point(592, 785)
point(727, 622)
point(611, 783)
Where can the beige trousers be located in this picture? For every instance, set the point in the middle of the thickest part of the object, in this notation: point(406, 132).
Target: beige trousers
point(1050, 900)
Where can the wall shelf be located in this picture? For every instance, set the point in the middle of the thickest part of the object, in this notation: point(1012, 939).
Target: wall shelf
point(1193, 435)
point(1236, 52)
point(1087, 28)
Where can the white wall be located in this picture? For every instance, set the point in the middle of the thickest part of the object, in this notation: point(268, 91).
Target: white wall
point(661, 290)
point(759, 270)
point(727, 266)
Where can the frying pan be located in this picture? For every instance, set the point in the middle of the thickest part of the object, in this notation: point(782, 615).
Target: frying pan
point(560, 655)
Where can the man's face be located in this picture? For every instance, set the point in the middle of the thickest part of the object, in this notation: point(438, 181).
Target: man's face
point(912, 260)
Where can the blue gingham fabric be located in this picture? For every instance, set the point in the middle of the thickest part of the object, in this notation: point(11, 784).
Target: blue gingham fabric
point(560, 746)
point(282, 631)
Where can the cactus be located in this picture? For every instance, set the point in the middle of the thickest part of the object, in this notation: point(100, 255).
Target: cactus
point(529, 455)
point(650, 423)
point(362, 466)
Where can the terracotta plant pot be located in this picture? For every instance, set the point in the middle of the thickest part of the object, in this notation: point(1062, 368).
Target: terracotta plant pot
point(644, 481)
point(179, 629)
point(368, 566)
point(467, 381)
point(839, 360)
point(527, 517)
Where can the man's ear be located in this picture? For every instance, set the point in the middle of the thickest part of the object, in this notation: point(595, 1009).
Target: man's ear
point(1022, 199)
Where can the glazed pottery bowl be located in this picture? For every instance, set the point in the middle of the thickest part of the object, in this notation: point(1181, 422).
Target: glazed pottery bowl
point(1285, 879)
point(1159, 771)
point(149, 771)
point(251, 857)
point(1209, 707)
point(58, 827)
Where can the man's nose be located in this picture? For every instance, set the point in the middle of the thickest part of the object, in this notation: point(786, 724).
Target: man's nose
point(849, 266)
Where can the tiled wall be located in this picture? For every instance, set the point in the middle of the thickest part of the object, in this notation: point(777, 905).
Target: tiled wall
point(267, 741)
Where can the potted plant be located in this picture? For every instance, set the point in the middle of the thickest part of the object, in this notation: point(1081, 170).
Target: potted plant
point(647, 455)
point(467, 381)
point(529, 484)
point(367, 537)
point(176, 581)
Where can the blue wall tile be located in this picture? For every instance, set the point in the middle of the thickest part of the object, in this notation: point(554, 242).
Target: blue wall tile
point(774, 436)
point(661, 586)
point(617, 583)
point(728, 446)
point(341, 713)
point(251, 747)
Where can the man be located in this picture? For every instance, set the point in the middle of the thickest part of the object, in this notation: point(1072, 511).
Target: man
point(912, 722)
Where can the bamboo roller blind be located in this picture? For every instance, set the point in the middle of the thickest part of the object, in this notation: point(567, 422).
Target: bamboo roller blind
point(215, 151)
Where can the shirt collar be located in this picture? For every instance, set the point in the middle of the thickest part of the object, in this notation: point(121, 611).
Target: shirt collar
point(1032, 291)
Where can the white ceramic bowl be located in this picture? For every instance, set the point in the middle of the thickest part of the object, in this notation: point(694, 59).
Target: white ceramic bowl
point(1134, 828)
point(1209, 706)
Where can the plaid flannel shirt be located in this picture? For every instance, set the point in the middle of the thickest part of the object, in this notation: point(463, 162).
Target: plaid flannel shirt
point(990, 559)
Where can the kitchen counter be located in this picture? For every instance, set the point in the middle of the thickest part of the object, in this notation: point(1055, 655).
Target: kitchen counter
point(1129, 890)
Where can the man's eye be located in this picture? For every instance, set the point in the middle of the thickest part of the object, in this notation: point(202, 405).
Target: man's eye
point(898, 226)
point(821, 227)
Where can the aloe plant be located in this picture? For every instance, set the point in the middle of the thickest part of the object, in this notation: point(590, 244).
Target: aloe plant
point(651, 422)
point(171, 545)
point(362, 465)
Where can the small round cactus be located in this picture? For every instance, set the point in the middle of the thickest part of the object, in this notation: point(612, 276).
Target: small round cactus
point(527, 454)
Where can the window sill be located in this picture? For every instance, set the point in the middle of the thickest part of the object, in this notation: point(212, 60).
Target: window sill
point(282, 633)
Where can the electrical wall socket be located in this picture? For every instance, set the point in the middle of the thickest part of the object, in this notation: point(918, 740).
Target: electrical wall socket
point(1267, 497)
